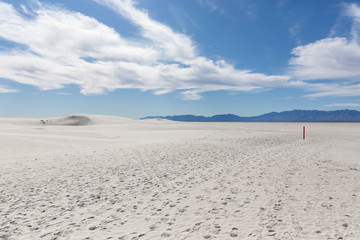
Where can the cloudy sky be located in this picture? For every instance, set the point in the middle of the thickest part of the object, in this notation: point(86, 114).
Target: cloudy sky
point(136, 58)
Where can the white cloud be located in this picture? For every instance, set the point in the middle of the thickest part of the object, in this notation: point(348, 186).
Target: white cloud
point(353, 11)
point(63, 47)
point(334, 90)
point(191, 95)
point(211, 4)
point(330, 58)
point(171, 45)
point(343, 105)
point(7, 90)
point(334, 60)
point(294, 32)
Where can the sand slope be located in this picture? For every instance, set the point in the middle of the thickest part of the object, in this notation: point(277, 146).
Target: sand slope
point(115, 178)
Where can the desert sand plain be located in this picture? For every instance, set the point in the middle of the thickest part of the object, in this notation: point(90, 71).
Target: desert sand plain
point(101, 177)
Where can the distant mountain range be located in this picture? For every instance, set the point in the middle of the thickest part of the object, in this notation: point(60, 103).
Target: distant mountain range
point(287, 116)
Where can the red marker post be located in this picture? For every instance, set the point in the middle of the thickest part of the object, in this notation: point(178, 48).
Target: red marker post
point(304, 132)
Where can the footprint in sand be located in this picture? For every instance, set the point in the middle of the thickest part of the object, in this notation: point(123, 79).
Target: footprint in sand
point(165, 235)
point(271, 232)
point(234, 232)
point(153, 227)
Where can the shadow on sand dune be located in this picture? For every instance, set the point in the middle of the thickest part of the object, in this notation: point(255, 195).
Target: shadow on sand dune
point(71, 120)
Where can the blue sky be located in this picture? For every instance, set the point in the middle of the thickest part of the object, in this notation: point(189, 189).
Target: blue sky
point(166, 57)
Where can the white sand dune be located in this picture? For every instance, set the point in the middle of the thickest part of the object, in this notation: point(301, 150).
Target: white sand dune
point(84, 120)
point(101, 177)
point(71, 120)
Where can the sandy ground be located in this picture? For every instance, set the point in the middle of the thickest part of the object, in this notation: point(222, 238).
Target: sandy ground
point(116, 178)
